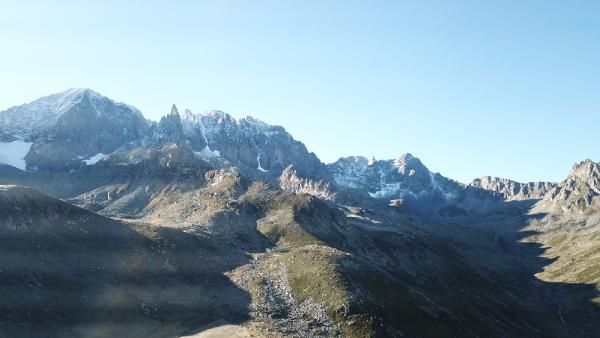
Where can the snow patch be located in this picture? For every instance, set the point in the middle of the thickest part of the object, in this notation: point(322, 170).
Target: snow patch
point(94, 159)
point(259, 167)
point(206, 152)
point(13, 153)
point(434, 184)
point(448, 196)
point(387, 190)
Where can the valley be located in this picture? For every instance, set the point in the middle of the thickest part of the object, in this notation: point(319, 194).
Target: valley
point(207, 225)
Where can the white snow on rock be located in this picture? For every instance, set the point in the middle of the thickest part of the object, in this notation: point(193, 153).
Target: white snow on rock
point(259, 167)
point(31, 119)
point(189, 122)
point(13, 153)
point(387, 190)
point(94, 159)
point(206, 152)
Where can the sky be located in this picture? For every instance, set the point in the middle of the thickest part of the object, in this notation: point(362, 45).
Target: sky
point(472, 88)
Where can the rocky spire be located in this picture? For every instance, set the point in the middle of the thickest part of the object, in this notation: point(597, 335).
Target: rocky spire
point(170, 128)
point(174, 110)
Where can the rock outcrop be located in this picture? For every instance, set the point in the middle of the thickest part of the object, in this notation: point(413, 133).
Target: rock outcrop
point(292, 182)
point(511, 190)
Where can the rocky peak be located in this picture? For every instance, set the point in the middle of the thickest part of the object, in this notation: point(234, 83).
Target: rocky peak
point(31, 120)
point(67, 128)
point(511, 190)
point(255, 144)
point(218, 115)
point(174, 111)
point(578, 194)
point(188, 116)
point(409, 165)
point(586, 171)
point(170, 129)
point(389, 179)
point(585, 176)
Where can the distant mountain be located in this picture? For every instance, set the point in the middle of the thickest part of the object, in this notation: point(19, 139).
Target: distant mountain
point(389, 179)
point(511, 190)
point(30, 120)
point(79, 126)
point(406, 182)
point(67, 128)
point(250, 142)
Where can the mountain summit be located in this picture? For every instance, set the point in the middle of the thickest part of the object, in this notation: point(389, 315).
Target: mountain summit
point(578, 194)
point(66, 128)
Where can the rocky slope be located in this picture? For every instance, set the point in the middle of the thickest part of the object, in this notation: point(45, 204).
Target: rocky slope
point(578, 195)
point(67, 272)
point(317, 268)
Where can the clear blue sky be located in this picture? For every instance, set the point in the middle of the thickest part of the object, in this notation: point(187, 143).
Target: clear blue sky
point(473, 88)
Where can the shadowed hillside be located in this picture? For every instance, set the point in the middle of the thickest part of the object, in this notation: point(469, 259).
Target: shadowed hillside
point(68, 272)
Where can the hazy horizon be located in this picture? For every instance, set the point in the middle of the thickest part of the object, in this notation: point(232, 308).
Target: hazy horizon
point(472, 89)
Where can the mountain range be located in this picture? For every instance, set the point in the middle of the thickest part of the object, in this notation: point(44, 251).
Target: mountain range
point(204, 224)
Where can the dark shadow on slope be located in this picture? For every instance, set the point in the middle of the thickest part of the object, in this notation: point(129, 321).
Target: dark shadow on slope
point(68, 185)
point(65, 272)
point(471, 277)
point(565, 307)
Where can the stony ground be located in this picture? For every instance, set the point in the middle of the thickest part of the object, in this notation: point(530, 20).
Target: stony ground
point(273, 306)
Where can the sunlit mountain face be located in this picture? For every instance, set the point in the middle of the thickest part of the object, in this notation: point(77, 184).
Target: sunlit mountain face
point(209, 225)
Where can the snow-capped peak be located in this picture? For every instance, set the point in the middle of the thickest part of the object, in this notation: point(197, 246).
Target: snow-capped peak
point(32, 118)
point(216, 114)
point(188, 115)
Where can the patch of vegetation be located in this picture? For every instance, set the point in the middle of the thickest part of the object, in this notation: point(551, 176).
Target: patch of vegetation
point(314, 274)
point(280, 227)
